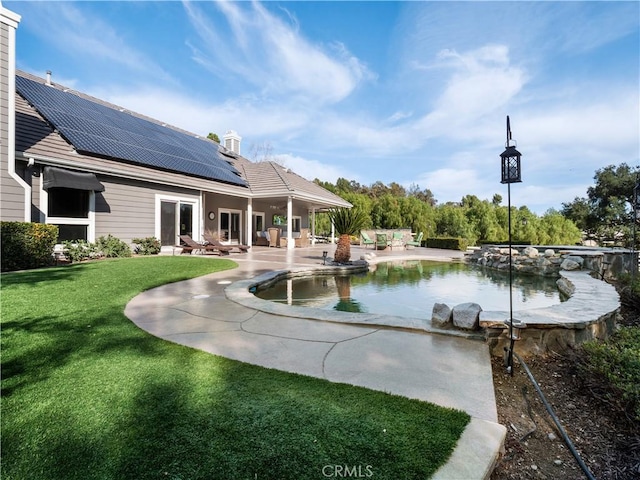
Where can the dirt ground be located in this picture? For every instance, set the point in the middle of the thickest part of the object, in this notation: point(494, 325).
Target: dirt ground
point(607, 441)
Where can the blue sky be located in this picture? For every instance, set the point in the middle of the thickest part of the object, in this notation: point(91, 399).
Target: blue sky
point(406, 92)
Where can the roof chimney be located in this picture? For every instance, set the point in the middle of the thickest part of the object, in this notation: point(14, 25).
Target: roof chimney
point(48, 77)
point(231, 141)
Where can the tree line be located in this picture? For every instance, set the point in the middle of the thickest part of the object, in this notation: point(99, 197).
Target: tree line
point(478, 221)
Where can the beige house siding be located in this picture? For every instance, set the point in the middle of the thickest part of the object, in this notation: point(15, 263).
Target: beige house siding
point(12, 194)
point(127, 209)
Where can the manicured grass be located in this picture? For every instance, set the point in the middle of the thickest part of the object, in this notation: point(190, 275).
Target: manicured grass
point(88, 395)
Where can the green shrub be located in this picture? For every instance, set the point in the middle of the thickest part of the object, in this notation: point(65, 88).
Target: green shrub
point(447, 243)
point(147, 246)
point(80, 250)
point(112, 247)
point(617, 361)
point(27, 245)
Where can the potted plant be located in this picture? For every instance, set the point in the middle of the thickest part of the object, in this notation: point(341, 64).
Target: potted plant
point(347, 222)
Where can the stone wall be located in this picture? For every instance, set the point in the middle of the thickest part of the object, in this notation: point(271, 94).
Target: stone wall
point(605, 263)
point(590, 312)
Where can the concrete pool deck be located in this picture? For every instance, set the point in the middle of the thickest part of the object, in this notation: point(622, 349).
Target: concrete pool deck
point(445, 370)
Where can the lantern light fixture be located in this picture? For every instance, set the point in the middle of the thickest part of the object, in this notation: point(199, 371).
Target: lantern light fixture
point(511, 172)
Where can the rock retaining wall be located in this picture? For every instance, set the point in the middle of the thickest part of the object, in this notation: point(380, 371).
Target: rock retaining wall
point(607, 263)
point(591, 312)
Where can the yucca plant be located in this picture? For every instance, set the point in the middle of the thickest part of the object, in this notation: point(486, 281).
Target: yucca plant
point(347, 222)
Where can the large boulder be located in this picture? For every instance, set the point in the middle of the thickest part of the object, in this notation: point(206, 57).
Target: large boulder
point(530, 252)
point(549, 252)
point(568, 264)
point(575, 258)
point(467, 316)
point(565, 286)
point(441, 315)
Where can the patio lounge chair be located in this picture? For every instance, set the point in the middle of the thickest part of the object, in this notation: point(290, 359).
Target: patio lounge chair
point(414, 243)
point(212, 241)
point(190, 245)
point(381, 241)
point(396, 240)
point(366, 239)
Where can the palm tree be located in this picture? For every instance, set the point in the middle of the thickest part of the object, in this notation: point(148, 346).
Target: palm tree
point(347, 222)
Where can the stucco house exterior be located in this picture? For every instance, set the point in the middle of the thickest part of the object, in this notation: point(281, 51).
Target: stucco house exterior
point(94, 168)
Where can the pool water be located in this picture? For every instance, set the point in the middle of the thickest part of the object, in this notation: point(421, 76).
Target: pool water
point(411, 288)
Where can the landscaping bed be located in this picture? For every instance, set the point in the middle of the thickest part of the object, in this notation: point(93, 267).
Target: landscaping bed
point(604, 433)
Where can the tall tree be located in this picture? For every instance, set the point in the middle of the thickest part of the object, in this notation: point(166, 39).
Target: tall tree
point(425, 195)
point(607, 213)
point(214, 137)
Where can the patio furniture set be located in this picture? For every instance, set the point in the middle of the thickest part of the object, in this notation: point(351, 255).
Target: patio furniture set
point(382, 240)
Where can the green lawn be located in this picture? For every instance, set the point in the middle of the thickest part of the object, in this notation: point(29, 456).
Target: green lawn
point(88, 395)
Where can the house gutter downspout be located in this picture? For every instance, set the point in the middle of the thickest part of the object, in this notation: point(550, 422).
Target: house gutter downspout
point(12, 20)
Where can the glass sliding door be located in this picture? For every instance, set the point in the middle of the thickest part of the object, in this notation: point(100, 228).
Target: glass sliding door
point(186, 219)
point(168, 234)
point(230, 230)
point(176, 218)
point(258, 225)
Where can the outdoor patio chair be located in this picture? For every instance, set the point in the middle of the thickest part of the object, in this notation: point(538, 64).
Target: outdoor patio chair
point(366, 239)
point(381, 241)
point(190, 245)
point(397, 240)
point(416, 242)
point(229, 248)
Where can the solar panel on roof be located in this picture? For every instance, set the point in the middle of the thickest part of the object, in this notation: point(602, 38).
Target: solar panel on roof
point(94, 128)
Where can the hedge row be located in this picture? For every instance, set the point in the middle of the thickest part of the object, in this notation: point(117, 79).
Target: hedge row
point(447, 243)
point(27, 245)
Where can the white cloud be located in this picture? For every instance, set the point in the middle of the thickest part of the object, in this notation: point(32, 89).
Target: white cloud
point(77, 32)
point(311, 169)
point(197, 116)
point(483, 81)
point(269, 53)
point(450, 184)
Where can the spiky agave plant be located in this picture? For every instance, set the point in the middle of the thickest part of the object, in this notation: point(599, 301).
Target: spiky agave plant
point(347, 222)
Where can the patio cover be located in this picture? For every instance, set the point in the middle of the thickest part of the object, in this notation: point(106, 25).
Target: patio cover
point(60, 177)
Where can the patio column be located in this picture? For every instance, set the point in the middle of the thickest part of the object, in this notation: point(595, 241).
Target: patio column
point(249, 240)
point(313, 225)
point(290, 244)
point(333, 232)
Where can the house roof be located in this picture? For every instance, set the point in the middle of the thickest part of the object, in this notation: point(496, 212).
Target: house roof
point(97, 128)
point(49, 127)
point(269, 179)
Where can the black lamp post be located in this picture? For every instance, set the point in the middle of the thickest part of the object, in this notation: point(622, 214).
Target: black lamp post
point(636, 206)
point(510, 174)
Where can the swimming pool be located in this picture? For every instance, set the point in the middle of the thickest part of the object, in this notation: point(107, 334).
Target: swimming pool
point(410, 288)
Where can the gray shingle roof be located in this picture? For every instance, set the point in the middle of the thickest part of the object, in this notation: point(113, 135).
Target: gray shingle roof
point(268, 179)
